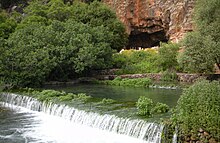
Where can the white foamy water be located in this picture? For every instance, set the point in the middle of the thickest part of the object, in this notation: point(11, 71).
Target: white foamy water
point(53, 123)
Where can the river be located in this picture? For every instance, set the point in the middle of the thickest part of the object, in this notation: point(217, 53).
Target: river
point(62, 124)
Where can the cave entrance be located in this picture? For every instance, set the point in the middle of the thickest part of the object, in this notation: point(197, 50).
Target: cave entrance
point(146, 40)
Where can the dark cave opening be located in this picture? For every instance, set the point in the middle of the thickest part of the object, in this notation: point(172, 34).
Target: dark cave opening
point(146, 40)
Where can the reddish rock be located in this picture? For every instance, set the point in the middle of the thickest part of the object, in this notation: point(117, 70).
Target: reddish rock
point(150, 20)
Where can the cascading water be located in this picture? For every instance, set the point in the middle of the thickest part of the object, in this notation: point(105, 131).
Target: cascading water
point(148, 132)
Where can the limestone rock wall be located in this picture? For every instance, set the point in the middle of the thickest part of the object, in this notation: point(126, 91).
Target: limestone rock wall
point(150, 19)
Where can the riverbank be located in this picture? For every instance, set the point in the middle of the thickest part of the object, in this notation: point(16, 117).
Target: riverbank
point(181, 80)
point(181, 77)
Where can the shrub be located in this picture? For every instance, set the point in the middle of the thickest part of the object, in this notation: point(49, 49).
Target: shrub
point(81, 97)
point(7, 25)
point(144, 106)
point(130, 82)
point(67, 97)
point(197, 57)
point(202, 50)
point(48, 95)
point(143, 82)
point(168, 56)
point(160, 108)
point(58, 41)
point(132, 61)
point(169, 76)
point(199, 108)
point(118, 78)
point(54, 95)
point(107, 101)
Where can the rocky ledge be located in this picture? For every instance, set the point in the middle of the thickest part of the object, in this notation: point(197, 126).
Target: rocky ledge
point(150, 21)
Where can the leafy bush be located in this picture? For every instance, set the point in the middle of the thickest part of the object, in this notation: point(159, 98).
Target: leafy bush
point(144, 106)
point(58, 41)
point(198, 108)
point(130, 82)
point(168, 56)
point(198, 56)
point(7, 25)
point(202, 52)
point(82, 97)
point(169, 76)
point(48, 95)
point(67, 97)
point(54, 95)
point(132, 61)
point(160, 108)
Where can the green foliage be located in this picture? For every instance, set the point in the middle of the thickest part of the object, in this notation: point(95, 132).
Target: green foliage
point(130, 82)
point(82, 97)
point(58, 41)
point(48, 95)
point(54, 95)
point(25, 62)
point(144, 106)
point(131, 61)
point(98, 14)
point(106, 101)
point(160, 108)
point(7, 25)
point(31, 20)
point(147, 61)
point(198, 54)
point(95, 14)
point(77, 97)
point(169, 76)
point(67, 97)
point(168, 56)
point(199, 107)
point(202, 46)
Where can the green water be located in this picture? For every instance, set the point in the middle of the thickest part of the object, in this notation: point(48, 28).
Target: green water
point(125, 97)
point(124, 94)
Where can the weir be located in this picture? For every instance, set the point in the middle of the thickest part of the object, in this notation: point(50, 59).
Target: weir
point(148, 132)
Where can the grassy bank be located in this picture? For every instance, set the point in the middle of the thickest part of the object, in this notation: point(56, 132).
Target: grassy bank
point(138, 82)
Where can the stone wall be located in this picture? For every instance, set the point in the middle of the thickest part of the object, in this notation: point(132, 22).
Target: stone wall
point(182, 77)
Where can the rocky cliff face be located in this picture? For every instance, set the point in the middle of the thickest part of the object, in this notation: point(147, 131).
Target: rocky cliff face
point(150, 21)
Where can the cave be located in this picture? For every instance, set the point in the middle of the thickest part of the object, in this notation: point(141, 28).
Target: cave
point(146, 40)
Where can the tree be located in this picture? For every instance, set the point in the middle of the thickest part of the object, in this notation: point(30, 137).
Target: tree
point(94, 14)
point(202, 47)
point(98, 14)
point(7, 25)
point(26, 62)
point(198, 55)
point(38, 52)
point(168, 56)
point(54, 41)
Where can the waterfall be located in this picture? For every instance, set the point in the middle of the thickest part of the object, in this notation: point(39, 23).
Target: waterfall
point(149, 132)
